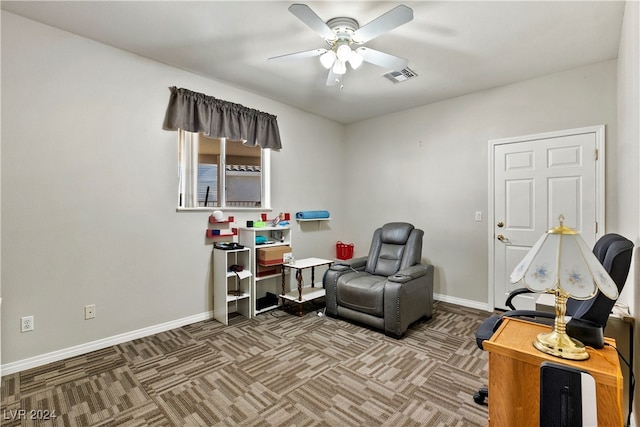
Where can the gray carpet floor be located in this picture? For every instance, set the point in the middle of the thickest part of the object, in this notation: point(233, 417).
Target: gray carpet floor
point(276, 369)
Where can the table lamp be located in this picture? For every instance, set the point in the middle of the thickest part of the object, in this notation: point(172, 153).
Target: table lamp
point(561, 263)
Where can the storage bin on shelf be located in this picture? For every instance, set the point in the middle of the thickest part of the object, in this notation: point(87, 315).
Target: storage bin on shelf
point(272, 255)
point(344, 250)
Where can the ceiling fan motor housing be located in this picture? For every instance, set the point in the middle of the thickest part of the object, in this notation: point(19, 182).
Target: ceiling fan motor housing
point(340, 53)
point(343, 27)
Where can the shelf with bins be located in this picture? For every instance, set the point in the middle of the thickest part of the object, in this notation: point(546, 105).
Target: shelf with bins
point(267, 280)
point(222, 228)
point(232, 289)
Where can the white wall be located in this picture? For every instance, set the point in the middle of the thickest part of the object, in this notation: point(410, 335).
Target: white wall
point(89, 190)
point(429, 166)
point(628, 172)
point(89, 217)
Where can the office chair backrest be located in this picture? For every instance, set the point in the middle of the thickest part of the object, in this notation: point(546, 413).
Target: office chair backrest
point(614, 253)
point(394, 246)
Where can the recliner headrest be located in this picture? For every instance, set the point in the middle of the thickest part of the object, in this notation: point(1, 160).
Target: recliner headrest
point(396, 233)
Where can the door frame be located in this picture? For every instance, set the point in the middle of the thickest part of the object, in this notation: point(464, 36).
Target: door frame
point(599, 132)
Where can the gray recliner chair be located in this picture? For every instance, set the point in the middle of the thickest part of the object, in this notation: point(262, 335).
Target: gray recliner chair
point(390, 288)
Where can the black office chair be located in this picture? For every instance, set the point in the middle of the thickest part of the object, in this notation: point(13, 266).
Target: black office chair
point(588, 317)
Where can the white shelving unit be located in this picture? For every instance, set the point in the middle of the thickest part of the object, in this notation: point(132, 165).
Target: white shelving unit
point(271, 283)
point(231, 290)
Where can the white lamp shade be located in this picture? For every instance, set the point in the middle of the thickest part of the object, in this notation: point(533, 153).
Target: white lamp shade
point(561, 259)
point(538, 275)
point(327, 59)
point(343, 52)
point(339, 67)
point(601, 277)
point(355, 60)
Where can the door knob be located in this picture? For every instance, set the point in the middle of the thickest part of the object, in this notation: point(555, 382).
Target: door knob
point(500, 224)
point(500, 237)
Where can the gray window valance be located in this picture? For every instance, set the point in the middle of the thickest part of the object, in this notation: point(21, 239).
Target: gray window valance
point(197, 112)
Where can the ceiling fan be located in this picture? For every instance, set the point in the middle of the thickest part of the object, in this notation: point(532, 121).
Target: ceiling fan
point(343, 34)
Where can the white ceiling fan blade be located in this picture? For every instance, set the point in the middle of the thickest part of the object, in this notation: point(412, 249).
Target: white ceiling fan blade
point(397, 16)
point(299, 55)
point(333, 78)
point(381, 59)
point(313, 21)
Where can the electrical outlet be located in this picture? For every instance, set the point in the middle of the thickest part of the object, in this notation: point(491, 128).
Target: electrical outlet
point(89, 312)
point(26, 324)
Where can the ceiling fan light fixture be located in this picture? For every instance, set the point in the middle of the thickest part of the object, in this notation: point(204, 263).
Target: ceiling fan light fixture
point(341, 33)
point(343, 52)
point(355, 60)
point(327, 59)
point(339, 67)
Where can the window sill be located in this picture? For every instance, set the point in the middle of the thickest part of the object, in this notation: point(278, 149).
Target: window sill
point(227, 209)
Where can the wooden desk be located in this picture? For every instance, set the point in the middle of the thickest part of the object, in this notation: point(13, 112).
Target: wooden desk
point(514, 376)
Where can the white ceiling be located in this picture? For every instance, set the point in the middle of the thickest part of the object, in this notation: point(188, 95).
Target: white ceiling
point(455, 47)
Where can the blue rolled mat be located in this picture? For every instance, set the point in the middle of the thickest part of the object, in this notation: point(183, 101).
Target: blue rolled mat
point(312, 214)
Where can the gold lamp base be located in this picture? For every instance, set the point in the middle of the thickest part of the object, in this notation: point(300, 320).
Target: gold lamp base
point(561, 345)
point(557, 343)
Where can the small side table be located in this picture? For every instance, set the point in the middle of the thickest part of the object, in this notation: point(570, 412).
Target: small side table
point(620, 327)
point(302, 295)
point(514, 376)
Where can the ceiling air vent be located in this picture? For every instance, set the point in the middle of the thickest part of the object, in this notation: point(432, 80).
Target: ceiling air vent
point(401, 76)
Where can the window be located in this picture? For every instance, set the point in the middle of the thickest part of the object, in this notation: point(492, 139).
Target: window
point(207, 184)
point(221, 173)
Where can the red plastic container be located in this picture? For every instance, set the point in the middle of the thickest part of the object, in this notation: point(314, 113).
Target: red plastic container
point(344, 250)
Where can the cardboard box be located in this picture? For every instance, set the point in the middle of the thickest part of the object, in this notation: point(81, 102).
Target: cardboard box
point(272, 255)
point(263, 270)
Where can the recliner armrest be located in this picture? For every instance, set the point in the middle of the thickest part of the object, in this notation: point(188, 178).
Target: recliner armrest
point(410, 273)
point(349, 264)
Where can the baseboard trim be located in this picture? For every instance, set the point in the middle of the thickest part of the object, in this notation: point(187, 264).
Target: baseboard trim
point(54, 356)
point(462, 302)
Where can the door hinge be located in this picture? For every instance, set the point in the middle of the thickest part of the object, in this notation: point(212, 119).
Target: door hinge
point(596, 227)
point(595, 154)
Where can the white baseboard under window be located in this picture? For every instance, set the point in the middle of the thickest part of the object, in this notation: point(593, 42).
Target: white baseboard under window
point(54, 356)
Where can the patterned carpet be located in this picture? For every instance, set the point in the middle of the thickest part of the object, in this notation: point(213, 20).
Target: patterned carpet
point(276, 369)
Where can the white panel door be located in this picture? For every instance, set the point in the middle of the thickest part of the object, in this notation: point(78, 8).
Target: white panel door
point(535, 180)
